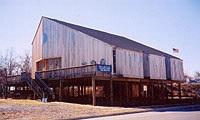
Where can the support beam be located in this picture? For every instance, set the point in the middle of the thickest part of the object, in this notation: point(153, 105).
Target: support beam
point(111, 92)
point(84, 86)
point(78, 86)
point(82, 89)
point(68, 93)
point(126, 94)
point(162, 93)
point(179, 88)
point(152, 93)
point(73, 89)
point(60, 90)
point(140, 89)
point(93, 92)
point(172, 96)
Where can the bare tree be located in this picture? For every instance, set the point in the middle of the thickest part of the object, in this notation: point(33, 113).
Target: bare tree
point(1, 62)
point(25, 63)
point(197, 75)
point(9, 61)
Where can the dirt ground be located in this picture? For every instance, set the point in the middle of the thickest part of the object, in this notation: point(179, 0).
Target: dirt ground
point(35, 110)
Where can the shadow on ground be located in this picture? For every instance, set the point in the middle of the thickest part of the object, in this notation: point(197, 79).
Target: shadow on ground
point(187, 108)
point(177, 108)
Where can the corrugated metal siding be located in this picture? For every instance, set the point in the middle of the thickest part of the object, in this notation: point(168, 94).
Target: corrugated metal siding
point(176, 69)
point(73, 46)
point(129, 63)
point(157, 67)
point(36, 49)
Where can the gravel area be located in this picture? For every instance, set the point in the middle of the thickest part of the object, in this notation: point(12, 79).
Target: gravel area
point(35, 110)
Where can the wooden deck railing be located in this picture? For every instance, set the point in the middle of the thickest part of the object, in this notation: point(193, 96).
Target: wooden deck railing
point(14, 79)
point(68, 73)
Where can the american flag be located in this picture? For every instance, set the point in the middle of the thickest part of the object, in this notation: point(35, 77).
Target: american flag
point(175, 50)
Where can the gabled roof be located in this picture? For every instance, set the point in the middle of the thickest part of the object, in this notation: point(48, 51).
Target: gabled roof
point(115, 40)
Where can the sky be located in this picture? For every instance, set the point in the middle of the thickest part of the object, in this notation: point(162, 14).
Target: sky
point(162, 24)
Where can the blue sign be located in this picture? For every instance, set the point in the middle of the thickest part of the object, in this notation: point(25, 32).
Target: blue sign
point(104, 68)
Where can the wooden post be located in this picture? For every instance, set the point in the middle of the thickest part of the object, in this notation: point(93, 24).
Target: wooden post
point(60, 90)
point(111, 91)
point(162, 93)
point(93, 92)
point(140, 92)
point(126, 94)
point(172, 96)
point(68, 90)
point(152, 92)
point(82, 89)
point(73, 90)
point(78, 86)
point(179, 87)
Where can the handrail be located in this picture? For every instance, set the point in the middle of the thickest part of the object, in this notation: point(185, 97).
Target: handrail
point(32, 84)
point(67, 72)
point(14, 78)
point(42, 84)
point(83, 66)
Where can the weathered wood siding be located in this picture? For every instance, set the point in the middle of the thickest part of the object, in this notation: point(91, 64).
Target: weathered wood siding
point(74, 47)
point(54, 40)
point(157, 67)
point(129, 63)
point(176, 69)
point(146, 65)
point(168, 68)
point(36, 48)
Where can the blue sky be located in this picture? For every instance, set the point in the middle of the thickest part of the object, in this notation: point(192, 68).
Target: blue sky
point(162, 24)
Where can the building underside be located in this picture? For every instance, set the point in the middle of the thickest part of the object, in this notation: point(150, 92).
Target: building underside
point(86, 85)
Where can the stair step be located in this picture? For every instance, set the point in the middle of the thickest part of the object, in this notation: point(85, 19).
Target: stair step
point(39, 87)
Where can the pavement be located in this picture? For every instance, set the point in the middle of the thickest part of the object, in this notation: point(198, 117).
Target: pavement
point(188, 112)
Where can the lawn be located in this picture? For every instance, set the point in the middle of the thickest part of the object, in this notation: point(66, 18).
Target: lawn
point(36, 110)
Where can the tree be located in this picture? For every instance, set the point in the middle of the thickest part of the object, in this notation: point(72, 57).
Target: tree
point(10, 62)
point(197, 75)
point(15, 64)
point(25, 63)
point(1, 62)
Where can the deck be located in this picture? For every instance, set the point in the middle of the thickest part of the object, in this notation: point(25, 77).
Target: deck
point(95, 84)
point(76, 72)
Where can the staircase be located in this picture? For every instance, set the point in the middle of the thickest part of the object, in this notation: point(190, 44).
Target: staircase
point(39, 87)
point(47, 91)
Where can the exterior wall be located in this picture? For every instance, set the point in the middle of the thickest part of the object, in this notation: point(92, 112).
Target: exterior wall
point(54, 40)
point(168, 68)
point(157, 67)
point(146, 65)
point(176, 69)
point(36, 49)
point(129, 63)
point(72, 46)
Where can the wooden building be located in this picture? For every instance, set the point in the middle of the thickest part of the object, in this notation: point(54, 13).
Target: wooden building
point(72, 59)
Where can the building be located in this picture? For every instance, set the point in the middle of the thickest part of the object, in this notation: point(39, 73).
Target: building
point(122, 71)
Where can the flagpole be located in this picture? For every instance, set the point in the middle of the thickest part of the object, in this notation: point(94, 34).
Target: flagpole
point(176, 52)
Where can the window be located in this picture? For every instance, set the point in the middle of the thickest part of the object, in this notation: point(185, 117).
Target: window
point(49, 64)
point(54, 63)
